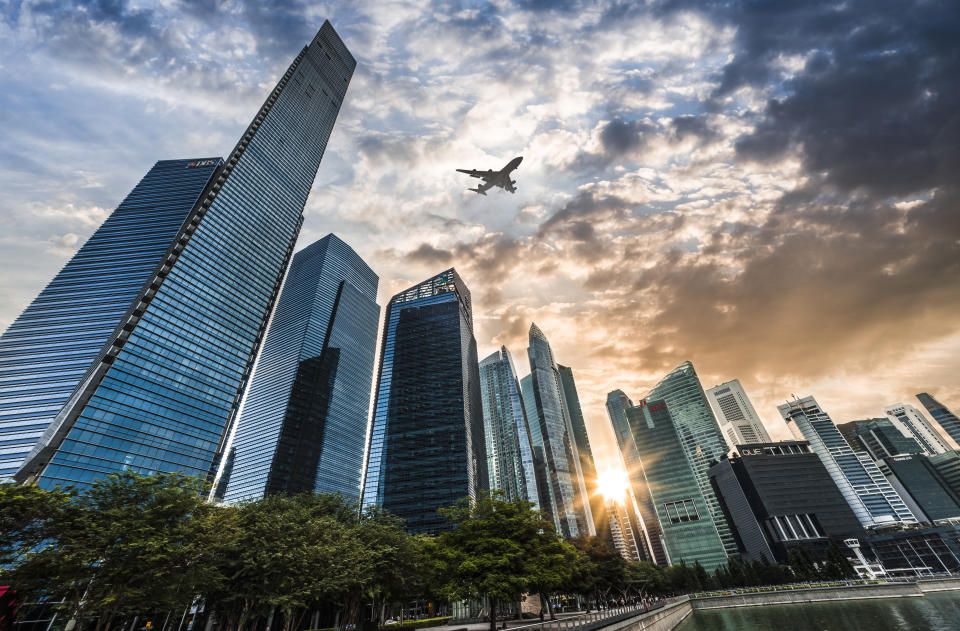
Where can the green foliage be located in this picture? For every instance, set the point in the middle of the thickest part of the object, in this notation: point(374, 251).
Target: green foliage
point(426, 623)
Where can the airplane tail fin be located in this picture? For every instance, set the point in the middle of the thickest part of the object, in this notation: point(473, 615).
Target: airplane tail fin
point(478, 190)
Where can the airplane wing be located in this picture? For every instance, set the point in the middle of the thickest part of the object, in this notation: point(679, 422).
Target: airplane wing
point(484, 175)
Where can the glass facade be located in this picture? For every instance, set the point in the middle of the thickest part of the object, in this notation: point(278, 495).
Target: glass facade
point(699, 436)
point(880, 438)
point(942, 415)
point(510, 461)
point(46, 352)
point(426, 448)
point(162, 397)
point(688, 532)
point(870, 495)
point(565, 484)
point(916, 477)
point(617, 404)
point(539, 453)
point(588, 467)
point(303, 421)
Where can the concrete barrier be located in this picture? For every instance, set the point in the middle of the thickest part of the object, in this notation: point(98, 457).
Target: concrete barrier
point(820, 594)
point(938, 584)
point(662, 619)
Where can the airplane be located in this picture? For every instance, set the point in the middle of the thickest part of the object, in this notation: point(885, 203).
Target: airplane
point(499, 178)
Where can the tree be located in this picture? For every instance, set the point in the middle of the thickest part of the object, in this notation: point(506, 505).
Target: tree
point(499, 550)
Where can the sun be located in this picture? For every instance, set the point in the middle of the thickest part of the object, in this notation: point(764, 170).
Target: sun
point(612, 484)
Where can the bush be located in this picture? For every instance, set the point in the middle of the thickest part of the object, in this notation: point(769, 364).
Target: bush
point(410, 625)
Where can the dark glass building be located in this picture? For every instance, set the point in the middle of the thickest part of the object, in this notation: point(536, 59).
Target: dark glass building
point(778, 496)
point(539, 450)
point(948, 466)
point(588, 467)
point(916, 478)
point(164, 388)
point(303, 423)
point(567, 492)
point(510, 459)
point(919, 551)
point(47, 351)
point(688, 530)
point(881, 439)
point(942, 415)
point(426, 448)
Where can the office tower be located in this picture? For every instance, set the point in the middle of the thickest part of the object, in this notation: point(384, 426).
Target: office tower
point(426, 446)
point(779, 496)
point(687, 527)
point(870, 495)
point(699, 436)
point(567, 491)
point(529, 399)
point(947, 465)
point(911, 422)
point(510, 458)
point(622, 530)
point(942, 415)
point(738, 420)
point(46, 352)
point(303, 422)
point(162, 391)
point(588, 467)
point(617, 405)
point(881, 438)
point(919, 483)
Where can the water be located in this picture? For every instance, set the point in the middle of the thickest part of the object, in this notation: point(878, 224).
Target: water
point(934, 612)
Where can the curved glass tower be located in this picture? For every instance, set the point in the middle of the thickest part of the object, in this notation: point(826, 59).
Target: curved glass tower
point(303, 422)
point(942, 415)
point(510, 460)
point(161, 394)
point(568, 501)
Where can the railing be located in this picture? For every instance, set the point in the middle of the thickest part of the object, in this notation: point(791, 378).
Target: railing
point(594, 620)
point(799, 586)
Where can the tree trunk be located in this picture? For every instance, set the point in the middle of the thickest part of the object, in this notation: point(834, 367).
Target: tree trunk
point(493, 614)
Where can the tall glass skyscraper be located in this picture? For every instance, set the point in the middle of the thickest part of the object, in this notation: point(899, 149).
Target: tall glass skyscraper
point(510, 460)
point(941, 414)
point(539, 450)
point(873, 500)
point(303, 422)
point(426, 448)
point(161, 393)
point(911, 422)
point(569, 501)
point(688, 530)
point(617, 405)
point(699, 435)
point(48, 350)
point(588, 467)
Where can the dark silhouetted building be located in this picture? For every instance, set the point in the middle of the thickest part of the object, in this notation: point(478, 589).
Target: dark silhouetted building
point(588, 467)
point(426, 448)
point(778, 496)
point(303, 424)
point(916, 478)
point(918, 551)
point(881, 439)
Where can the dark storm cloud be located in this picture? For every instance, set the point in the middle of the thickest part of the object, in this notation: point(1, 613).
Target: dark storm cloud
point(586, 207)
point(427, 254)
point(620, 137)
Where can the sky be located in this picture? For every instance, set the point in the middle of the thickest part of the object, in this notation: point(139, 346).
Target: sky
point(770, 190)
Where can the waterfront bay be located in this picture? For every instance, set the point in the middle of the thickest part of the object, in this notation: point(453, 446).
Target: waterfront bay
point(934, 612)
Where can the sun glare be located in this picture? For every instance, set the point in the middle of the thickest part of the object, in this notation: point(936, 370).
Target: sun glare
point(612, 483)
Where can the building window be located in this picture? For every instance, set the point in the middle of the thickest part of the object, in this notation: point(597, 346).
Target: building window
point(684, 510)
point(795, 527)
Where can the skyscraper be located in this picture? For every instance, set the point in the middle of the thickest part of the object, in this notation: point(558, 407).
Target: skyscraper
point(567, 491)
point(779, 496)
point(738, 420)
point(880, 438)
point(529, 399)
point(621, 530)
point(699, 435)
point(62, 334)
point(510, 459)
point(161, 393)
point(426, 447)
point(867, 491)
point(942, 415)
point(911, 422)
point(916, 478)
point(688, 530)
point(588, 466)
point(304, 418)
point(617, 404)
